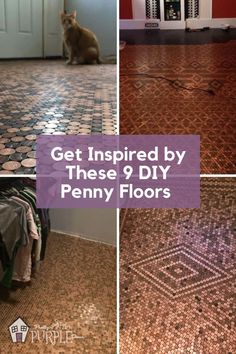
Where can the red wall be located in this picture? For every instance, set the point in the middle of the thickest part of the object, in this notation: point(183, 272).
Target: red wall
point(126, 9)
point(224, 8)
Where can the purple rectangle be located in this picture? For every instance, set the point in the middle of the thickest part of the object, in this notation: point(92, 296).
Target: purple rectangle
point(142, 171)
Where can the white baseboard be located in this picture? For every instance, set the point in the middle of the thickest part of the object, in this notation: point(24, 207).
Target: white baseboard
point(212, 23)
point(165, 25)
point(83, 237)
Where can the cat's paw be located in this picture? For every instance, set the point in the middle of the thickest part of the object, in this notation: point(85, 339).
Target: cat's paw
point(69, 62)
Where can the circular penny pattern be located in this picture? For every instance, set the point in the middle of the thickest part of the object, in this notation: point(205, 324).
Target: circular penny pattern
point(74, 123)
point(13, 130)
point(38, 127)
point(25, 118)
point(17, 139)
point(25, 129)
point(51, 126)
point(6, 152)
point(31, 137)
point(23, 149)
point(29, 163)
point(11, 165)
point(4, 140)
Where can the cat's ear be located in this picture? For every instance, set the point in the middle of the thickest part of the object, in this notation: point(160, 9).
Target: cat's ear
point(62, 14)
point(74, 14)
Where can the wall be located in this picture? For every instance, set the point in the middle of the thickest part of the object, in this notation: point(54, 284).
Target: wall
point(224, 8)
point(126, 10)
point(100, 17)
point(94, 224)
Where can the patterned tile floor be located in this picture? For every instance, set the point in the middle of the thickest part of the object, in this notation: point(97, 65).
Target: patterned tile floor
point(76, 285)
point(48, 97)
point(178, 276)
point(150, 106)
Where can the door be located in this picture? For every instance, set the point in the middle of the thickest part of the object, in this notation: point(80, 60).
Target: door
point(21, 28)
point(53, 46)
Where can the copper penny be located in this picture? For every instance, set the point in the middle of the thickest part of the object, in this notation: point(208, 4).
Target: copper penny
point(74, 123)
point(2, 146)
point(51, 126)
point(41, 122)
point(31, 137)
point(38, 127)
point(72, 132)
point(109, 132)
point(11, 165)
point(4, 140)
point(13, 130)
point(85, 130)
point(26, 129)
point(49, 131)
point(6, 152)
point(31, 154)
point(54, 121)
point(17, 139)
point(23, 149)
point(28, 163)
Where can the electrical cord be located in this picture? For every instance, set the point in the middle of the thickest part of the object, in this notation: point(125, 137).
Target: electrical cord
point(174, 83)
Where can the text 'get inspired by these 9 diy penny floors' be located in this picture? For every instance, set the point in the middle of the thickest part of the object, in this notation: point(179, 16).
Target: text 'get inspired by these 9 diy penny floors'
point(47, 97)
point(178, 278)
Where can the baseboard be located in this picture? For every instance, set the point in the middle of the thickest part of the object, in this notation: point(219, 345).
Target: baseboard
point(83, 237)
point(212, 23)
point(167, 25)
point(139, 24)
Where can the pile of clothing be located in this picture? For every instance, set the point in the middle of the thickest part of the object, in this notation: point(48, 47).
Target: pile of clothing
point(23, 230)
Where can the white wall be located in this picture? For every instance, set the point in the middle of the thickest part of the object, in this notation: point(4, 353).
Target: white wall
point(94, 224)
point(100, 17)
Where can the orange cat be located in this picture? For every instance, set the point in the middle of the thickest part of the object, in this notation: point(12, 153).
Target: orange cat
point(81, 43)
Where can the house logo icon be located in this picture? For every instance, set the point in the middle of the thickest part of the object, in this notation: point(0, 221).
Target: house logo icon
point(18, 330)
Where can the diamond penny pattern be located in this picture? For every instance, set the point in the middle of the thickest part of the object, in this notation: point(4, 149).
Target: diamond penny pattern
point(186, 271)
point(178, 276)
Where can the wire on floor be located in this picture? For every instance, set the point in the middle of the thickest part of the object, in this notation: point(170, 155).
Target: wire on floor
point(174, 83)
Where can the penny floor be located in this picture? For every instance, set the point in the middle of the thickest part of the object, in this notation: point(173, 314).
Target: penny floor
point(157, 106)
point(178, 276)
point(48, 97)
point(75, 286)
